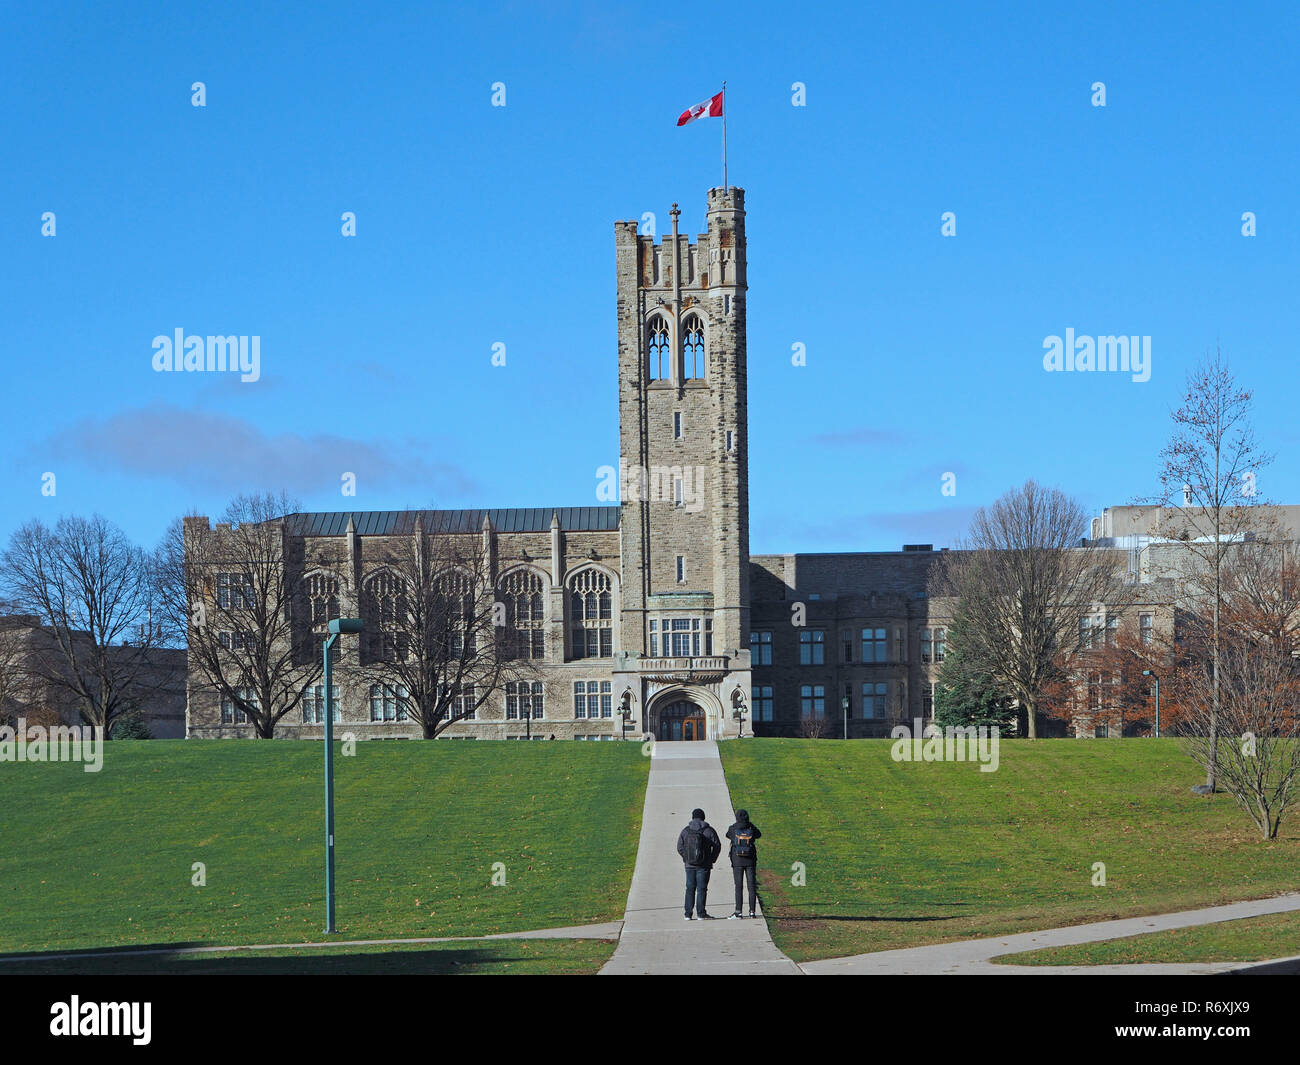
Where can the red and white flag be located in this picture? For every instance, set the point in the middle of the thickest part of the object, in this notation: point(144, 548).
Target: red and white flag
point(711, 108)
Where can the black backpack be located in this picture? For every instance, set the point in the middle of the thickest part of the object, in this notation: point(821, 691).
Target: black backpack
point(742, 840)
point(697, 847)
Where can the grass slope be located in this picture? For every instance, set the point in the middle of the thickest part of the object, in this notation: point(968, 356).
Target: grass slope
point(900, 854)
point(1276, 935)
point(101, 859)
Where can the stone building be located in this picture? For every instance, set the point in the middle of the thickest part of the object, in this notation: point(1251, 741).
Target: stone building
point(652, 607)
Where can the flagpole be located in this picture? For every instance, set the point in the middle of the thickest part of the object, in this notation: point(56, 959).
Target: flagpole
point(724, 138)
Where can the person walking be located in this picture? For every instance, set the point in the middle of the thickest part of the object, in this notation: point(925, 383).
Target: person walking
point(744, 861)
point(699, 847)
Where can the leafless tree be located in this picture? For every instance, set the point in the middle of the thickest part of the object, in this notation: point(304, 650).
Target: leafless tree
point(815, 726)
point(85, 595)
point(229, 590)
point(1025, 576)
point(1209, 498)
point(17, 685)
point(1242, 717)
point(440, 637)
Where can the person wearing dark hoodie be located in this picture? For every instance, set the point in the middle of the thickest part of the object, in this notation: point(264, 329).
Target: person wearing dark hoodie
point(699, 846)
point(744, 861)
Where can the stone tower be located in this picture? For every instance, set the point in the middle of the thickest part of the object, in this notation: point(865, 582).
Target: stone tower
point(683, 453)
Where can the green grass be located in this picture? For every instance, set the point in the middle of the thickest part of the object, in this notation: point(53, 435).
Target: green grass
point(1276, 935)
point(522, 957)
point(105, 859)
point(901, 854)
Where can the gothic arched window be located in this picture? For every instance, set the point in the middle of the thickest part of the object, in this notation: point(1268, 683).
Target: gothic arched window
point(524, 635)
point(322, 599)
point(591, 609)
point(452, 621)
point(660, 350)
point(385, 609)
point(693, 348)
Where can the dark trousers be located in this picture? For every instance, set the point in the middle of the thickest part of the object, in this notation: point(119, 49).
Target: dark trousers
point(741, 873)
point(697, 888)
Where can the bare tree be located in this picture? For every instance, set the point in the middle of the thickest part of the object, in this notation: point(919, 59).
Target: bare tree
point(229, 590)
point(85, 595)
point(1025, 576)
point(17, 685)
point(439, 639)
point(1243, 718)
point(1209, 498)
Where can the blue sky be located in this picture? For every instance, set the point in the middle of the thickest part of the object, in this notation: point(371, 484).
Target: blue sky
point(479, 225)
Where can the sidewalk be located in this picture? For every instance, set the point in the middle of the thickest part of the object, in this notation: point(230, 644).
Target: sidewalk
point(655, 938)
point(972, 956)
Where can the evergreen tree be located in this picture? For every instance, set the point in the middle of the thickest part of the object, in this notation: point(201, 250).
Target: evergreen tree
point(966, 694)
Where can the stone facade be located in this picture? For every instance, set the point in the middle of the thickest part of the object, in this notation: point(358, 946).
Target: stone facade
point(702, 640)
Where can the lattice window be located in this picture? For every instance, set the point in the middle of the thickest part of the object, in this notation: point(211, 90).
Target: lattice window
point(591, 610)
point(322, 599)
point(524, 635)
point(693, 348)
point(453, 619)
point(661, 350)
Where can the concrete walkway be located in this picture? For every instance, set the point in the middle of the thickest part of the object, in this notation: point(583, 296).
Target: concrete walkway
point(972, 956)
point(655, 938)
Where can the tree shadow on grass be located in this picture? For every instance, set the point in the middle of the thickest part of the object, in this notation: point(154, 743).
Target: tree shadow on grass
point(871, 917)
point(501, 956)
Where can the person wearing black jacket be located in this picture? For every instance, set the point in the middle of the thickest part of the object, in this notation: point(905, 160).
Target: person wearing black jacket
point(744, 860)
point(699, 846)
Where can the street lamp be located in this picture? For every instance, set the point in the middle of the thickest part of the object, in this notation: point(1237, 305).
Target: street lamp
point(738, 712)
point(625, 709)
point(844, 705)
point(335, 628)
point(1148, 673)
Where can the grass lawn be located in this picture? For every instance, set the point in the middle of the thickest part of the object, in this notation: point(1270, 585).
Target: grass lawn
point(519, 957)
point(105, 859)
point(1276, 935)
point(901, 854)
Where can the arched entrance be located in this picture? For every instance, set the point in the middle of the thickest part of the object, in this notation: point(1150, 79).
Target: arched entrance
point(682, 720)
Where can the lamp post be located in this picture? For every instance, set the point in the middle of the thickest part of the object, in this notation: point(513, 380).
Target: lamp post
point(1148, 673)
point(625, 709)
point(337, 626)
point(844, 705)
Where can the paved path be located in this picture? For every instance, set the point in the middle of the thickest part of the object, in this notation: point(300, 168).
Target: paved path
point(972, 956)
point(655, 937)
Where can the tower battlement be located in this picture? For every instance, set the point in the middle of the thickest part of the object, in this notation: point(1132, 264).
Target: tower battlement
point(715, 258)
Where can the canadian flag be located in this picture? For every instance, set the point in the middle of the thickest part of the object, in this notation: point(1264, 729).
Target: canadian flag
point(711, 108)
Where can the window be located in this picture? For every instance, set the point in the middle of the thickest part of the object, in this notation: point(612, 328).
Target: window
point(384, 607)
point(523, 699)
point(313, 704)
point(591, 610)
point(388, 702)
point(812, 700)
point(681, 563)
point(230, 715)
point(462, 707)
point(677, 425)
point(234, 591)
point(592, 699)
point(1086, 633)
point(760, 648)
point(660, 350)
point(682, 637)
point(940, 644)
point(927, 645)
point(761, 699)
point(875, 695)
point(898, 644)
point(873, 645)
point(322, 599)
point(846, 647)
point(927, 700)
point(679, 499)
point(812, 647)
point(1112, 630)
point(693, 348)
point(731, 440)
point(524, 634)
point(237, 640)
point(1144, 627)
point(654, 639)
